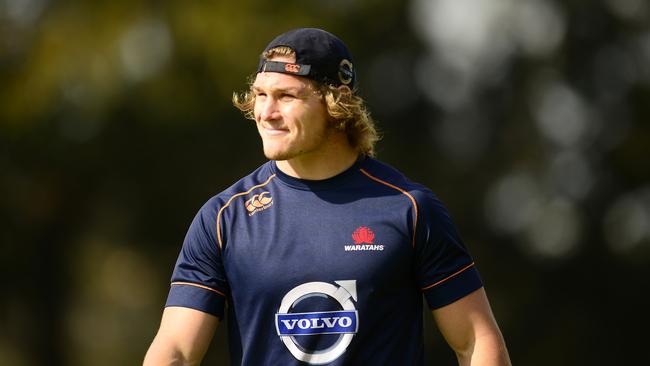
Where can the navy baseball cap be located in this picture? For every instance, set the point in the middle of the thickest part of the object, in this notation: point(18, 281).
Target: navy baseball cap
point(320, 56)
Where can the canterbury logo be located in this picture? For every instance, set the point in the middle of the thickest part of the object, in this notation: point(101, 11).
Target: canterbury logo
point(258, 202)
point(292, 68)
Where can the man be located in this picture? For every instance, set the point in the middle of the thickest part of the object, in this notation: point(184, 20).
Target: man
point(323, 253)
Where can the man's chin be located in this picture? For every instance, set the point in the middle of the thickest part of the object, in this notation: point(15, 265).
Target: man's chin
point(277, 155)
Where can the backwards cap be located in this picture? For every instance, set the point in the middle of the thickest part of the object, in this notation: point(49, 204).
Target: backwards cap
point(320, 56)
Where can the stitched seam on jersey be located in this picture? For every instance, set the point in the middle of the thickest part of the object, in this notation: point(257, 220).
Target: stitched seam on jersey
point(415, 205)
point(200, 286)
point(228, 203)
point(449, 277)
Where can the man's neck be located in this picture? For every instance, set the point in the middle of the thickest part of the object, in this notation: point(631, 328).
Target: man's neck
point(319, 166)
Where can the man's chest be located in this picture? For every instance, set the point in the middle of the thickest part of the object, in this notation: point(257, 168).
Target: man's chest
point(295, 241)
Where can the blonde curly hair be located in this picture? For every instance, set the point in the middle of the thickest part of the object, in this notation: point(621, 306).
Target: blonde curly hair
point(347, 111)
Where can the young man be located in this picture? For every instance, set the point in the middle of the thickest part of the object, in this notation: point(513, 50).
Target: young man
point(323, 253)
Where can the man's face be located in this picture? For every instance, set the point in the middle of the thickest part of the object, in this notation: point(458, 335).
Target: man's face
point(290, 115)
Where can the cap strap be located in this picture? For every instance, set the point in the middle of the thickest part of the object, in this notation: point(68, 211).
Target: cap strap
point(284, 67)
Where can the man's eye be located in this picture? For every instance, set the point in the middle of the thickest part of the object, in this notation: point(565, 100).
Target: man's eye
point(287, 96)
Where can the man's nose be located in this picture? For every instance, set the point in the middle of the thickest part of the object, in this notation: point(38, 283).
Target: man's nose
point(270, 109)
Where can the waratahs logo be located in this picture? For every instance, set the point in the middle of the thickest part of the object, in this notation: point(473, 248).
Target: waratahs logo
point(318, 337)
point(363, 235)
point(363, 240)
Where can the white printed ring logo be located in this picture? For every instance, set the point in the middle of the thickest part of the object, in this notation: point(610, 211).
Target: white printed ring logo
point(343, 322)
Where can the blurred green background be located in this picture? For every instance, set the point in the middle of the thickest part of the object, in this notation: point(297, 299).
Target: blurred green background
point(529, 118)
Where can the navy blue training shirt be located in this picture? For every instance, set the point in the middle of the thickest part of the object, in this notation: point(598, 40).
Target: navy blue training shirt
point(323, 272)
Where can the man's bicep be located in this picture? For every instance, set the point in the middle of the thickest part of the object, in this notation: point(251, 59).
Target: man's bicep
point(183, 337)
point(466, 319)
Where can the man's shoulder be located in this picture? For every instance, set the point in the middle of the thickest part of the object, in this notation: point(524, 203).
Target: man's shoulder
point(390, 175)
point(426, 201)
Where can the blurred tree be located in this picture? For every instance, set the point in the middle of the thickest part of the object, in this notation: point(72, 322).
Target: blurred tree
point(529, 119)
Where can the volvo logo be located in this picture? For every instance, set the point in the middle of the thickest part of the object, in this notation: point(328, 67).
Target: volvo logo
point(345, 323)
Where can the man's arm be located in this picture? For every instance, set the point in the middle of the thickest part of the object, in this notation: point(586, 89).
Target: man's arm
point(183, 337)
point(472, 332)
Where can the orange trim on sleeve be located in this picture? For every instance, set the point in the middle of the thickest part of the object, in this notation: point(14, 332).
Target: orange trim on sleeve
point(228, 203)
point(415, 205)
point(201, 286)
point(449, 277)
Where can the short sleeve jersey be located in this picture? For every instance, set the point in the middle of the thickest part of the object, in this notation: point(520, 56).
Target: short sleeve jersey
point(328, 272)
